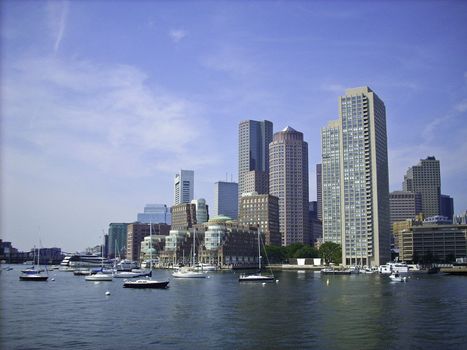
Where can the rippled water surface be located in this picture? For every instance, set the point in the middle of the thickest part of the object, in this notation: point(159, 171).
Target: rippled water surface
point(301, 311)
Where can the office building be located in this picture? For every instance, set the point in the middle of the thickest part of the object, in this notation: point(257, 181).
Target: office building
point(117, 240)
point(183, 216)
point(184, 186)
point(253, 156)
point(201, 209)
point(155, 213)
point(363, 179)
point(330, 178)
point(425, 178)
point(135, 235)
point(261, 210)
point(447, 206)
point(404, 205)
point(319, 191)
point(316, 225)
point(225, 199)
point(288, 180)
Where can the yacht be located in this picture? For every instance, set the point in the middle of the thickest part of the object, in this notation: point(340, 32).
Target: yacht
point(390, 267)
point(74, 261)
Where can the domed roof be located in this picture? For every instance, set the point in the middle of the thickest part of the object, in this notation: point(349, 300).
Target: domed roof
point(219, 219)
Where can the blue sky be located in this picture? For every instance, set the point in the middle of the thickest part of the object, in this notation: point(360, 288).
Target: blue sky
point(103, 102)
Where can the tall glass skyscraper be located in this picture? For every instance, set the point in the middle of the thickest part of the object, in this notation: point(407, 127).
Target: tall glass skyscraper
point(330, 178)
point(184, 184)
point(226, 199)
point(253, 156)
point(288, 180)
point(363, 179)
point(155, 213)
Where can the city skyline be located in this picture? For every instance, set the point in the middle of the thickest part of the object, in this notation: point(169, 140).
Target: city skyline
point(102, 105)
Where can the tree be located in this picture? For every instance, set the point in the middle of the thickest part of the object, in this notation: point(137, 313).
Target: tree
point(306, 252)
point(331, 252)
point(275, 254)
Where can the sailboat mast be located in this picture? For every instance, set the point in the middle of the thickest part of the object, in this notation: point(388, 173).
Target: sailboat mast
point(259, 250)
point(150, 245)
point(194, 245)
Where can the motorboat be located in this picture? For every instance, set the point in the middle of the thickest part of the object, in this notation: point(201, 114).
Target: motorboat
point(99, 277)
point(188, 272)
point(390, 267)
point(146, 284)
point(396, 277)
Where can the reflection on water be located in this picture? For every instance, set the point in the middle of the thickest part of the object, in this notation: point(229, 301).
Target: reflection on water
point(302, 310)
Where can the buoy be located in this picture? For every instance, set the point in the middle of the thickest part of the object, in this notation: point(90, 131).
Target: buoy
point(277, 281)
point(264, 283)
point(327, 282)
point(53, 279)
point(107, 293)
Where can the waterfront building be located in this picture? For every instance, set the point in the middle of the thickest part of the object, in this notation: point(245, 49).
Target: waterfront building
point(330, 178)
point(404, 205)
point(178, 247)
point(184, 184)
point(135, 235)
point(229, 244)
point(429, 243)
point(253, 156)
point(153, 248)
point(261, 210)
point(425, 178)
point(155, 213)
point(447, 206)
point(319, 190)
point(117, 239)
point(183, 216)
point(288, 180)
point(226, 199)
point(201, 210)
point(363, 183)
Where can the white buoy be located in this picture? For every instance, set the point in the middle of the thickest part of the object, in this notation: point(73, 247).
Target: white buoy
point(277, 281)
point(264, 283)
point(107, 293)
point(53, 279)
point(327, 281)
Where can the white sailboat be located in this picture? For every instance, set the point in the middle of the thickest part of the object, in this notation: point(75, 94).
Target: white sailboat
point(257, 277)
point(147, 282)
point(190, 272)
point(100, 276)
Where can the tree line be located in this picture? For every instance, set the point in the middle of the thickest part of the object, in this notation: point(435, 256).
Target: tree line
point(330, 252)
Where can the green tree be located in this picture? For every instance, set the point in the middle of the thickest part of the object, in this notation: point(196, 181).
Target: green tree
point(276, 254)
point(291, 249)
point(306, 251)
point(331, 252)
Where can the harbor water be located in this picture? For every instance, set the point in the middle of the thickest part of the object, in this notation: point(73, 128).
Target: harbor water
point(302, 310)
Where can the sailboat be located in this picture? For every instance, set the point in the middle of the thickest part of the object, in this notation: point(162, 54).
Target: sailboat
point(100, 276)
point(190, 272)
point(147, 282)
point(257, 277)
point(33, 274)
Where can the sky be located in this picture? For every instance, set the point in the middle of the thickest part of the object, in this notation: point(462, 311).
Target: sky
point(103, 102)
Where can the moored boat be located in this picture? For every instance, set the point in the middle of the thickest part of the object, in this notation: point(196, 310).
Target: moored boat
point(146, 284)
point(396, 277)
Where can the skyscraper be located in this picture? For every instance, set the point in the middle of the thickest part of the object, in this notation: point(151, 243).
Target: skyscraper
point(288, 180)
point(184, 186)
point(363, 179)
point(330, 177)
point(319, 191)
point(253, 156)
point(425, 178)
point(226, 199)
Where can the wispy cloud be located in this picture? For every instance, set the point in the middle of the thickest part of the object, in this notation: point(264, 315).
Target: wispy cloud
point(57, 12)
point(100, 117)
point(177, 35)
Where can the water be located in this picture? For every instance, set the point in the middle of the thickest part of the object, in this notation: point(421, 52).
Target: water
point(301, 311)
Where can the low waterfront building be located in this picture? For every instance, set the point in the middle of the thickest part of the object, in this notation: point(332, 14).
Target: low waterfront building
point(135, 235)
point(178, 247)
point(158, 243)
point(432, 243)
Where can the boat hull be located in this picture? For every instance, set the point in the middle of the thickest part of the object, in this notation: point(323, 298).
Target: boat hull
point(255, 278)
point(146, 284)
point(36, 278)
point(99, 278)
